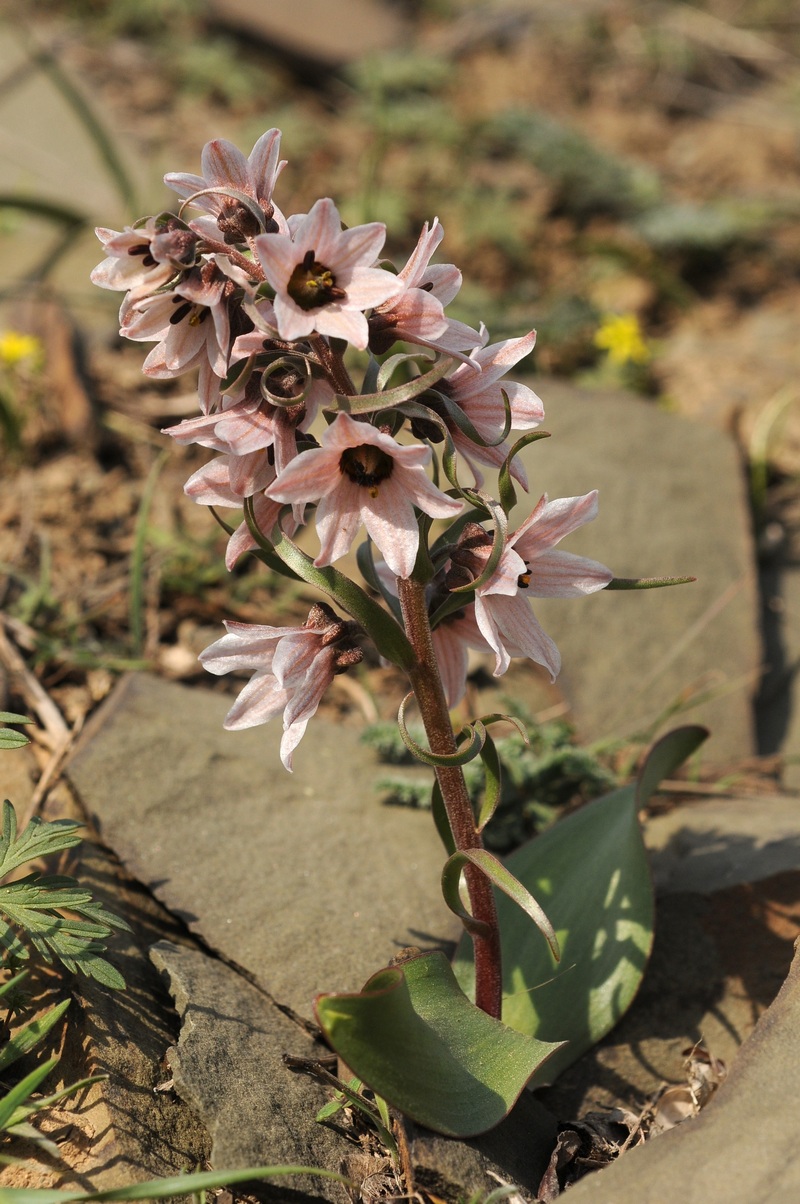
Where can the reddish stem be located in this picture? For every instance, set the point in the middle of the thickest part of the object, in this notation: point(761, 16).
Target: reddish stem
point(427, 684)
point(333, 365)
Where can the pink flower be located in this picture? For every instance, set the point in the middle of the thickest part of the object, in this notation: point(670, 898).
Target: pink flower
point(417, 314)
point(291, 668)
point(451, 641)
point(477, 388)
point(226, 170)
point(249, 422)
point(143, 258)
point(226, 481)
point(191, 327)
point(362, 475)
point(528, 568)
point(324, 277)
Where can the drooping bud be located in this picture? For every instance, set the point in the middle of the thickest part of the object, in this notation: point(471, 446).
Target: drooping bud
point(468, 558)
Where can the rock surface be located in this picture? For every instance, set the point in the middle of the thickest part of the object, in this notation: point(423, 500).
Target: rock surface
point(742, 1148)
point(672, 503)
point(174, 794)
point(706, 846)
point(228, 1066)
point(304, 879)
point(329, 33)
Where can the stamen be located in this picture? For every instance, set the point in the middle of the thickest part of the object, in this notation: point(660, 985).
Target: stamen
point(366, 465)
point(312, 284)
point(184, 308)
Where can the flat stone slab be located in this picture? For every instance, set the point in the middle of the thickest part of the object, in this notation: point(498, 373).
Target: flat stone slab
point(306, 880)
point(672, 503)
point(706, 846)
point(328, 32)
point(228, 1066)
point(742, 1148)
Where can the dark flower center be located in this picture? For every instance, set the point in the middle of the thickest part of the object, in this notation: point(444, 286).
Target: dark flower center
point(143, 249)
point(195, 314)
point(312, 285)
point(524, 579)
point(366, 465)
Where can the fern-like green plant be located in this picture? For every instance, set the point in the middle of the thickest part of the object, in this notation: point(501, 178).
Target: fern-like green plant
point(56, 914)
point(542, 773)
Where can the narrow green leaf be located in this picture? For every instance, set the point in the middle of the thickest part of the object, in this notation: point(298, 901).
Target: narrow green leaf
point(505, 881)
point(493, 774)
point(23, 1041)
point(387, 369)
point(647, 582)
point(508, 494)
point(11, 717)
point(459, 418)
point(440, 818)
point(367, 403)
point(15, 1098)
point(417, 1041)
point(349, 1093)
point(8, 988)
point(47, 1101)
point(11, 739)
point(386, 634)
point(163, 1189)
point(475, 734)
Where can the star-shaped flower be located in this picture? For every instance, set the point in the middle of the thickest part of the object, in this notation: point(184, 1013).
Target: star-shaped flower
point(361, 475)
point(291, 668)
point(143, 258)
point(477, 388)
point(417, 314)
point(225, 171)
point(324, 276)
point(528, 567)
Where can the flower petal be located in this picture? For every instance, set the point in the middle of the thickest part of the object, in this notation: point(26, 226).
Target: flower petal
point(559, 574)
point(551, 521)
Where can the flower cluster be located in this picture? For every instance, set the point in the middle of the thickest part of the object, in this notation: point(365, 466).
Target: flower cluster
point(265, 307)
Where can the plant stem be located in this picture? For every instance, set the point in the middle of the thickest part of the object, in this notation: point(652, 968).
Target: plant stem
point(333, 365)
point(427, 685)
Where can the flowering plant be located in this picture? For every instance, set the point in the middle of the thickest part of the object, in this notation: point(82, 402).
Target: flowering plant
point(266, 307)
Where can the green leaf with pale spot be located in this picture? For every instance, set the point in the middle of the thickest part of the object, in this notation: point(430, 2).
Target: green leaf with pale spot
point(590, 874)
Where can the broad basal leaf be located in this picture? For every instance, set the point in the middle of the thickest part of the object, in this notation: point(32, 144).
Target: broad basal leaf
point(417, 1041)
point(590, 874)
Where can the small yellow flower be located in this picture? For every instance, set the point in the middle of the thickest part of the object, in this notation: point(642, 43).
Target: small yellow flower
point(621, 336)
point(15, 347)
